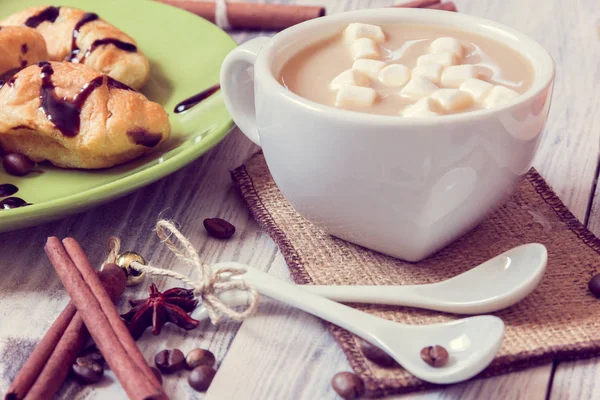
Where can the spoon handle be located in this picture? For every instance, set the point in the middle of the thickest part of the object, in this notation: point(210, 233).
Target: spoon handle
point(357, 322)
point(419, 296)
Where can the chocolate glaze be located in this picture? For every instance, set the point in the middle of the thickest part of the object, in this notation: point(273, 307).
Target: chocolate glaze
point(9, 75)
point(64, 114)
point(7, 189)
point(12, 202)
point(144, 138)
point(48, 14)
point(87, 17)
point(197, 98)
point(115, 84)
point(106, 41)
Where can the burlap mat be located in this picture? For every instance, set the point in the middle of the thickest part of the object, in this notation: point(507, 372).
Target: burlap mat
point(560, 320)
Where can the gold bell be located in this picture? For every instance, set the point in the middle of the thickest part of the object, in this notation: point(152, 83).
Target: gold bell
point(124, 260)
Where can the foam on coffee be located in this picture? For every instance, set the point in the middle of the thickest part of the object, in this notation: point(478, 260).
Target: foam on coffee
point(408, 70)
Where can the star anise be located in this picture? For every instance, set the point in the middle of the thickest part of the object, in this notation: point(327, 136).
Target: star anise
point(171, 306)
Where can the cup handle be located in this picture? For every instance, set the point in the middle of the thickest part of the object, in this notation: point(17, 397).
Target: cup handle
point(238, 89)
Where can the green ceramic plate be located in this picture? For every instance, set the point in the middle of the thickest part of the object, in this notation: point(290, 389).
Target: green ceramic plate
point(185, 54)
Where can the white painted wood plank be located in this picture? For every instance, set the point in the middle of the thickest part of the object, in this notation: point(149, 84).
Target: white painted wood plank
point(576, 380)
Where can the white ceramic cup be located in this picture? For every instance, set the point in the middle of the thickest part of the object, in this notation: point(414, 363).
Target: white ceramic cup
point(402, 186)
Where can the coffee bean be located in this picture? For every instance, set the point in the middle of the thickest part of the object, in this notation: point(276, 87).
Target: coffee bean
point(376, 355)
point(201, 377)
point(348, 385)
point(219, 228)
point(92, 353)
point(17, 164)
point(594, 285)
point(169, 361)
point(198, 357)
point(157, 374)
point(87, 371)
point(436, 356)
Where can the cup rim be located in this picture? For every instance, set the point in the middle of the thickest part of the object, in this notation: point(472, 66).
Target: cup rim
point(262, 67)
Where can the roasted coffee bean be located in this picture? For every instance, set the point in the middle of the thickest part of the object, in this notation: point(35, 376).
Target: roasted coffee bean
point(157, 374)
point(201, 377)
point(348, 385)
point(594, 285)
point(92, 353)
point(436, 356)
point(17, 164)
point(219, 228)
point(376, 355)
point(198, 357)
point(169, 361)
point(87, 371)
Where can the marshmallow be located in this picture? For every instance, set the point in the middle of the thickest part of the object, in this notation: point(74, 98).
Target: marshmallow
point(446, 59)
point(364, 48)
point(452, 100)
point(433, 72)
point(455, 75)
point(498, 96)
point(371, 68)
point(357, 30)
point(355, 96)
point(447, 44)
point(350, 77)
point(423, 108)
point(477, 88)
point(418, 87)
point(395, 75)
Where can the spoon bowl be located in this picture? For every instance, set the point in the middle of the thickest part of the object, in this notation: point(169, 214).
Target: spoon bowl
point(471, 343)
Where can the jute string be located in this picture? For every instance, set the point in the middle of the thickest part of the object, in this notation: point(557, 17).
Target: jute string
point(221, 18)
point(210, 282)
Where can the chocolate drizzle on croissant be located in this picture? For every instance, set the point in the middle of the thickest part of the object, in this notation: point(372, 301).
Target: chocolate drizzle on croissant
point(48, 14)
point(87, 17)
point(65, 114)
point(75, 50)
point(8, 76)
point(131, 48)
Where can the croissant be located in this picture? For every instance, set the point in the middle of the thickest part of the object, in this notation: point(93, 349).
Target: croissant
point(20, 46)
point(75, 117)
point(74, 35)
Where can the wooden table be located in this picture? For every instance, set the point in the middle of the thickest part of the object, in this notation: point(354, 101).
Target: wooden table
point(283, 353)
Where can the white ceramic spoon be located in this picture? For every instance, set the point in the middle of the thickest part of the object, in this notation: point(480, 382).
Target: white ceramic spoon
point(472, 342)
point(496, 284)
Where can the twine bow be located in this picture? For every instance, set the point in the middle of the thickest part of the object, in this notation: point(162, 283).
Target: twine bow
point(210, 283)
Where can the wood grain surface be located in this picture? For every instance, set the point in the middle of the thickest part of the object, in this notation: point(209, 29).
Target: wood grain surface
point(283, 353)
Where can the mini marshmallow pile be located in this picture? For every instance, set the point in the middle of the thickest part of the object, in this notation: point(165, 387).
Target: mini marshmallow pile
point(439, 84)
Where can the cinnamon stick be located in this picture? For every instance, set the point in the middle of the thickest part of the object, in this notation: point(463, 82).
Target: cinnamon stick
point(418, 4)
point(48, 365)
point(82, 263)
point(134, 381)
point(74, 340)
point(36, 361)
point(449, 6)
point(253, 15)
